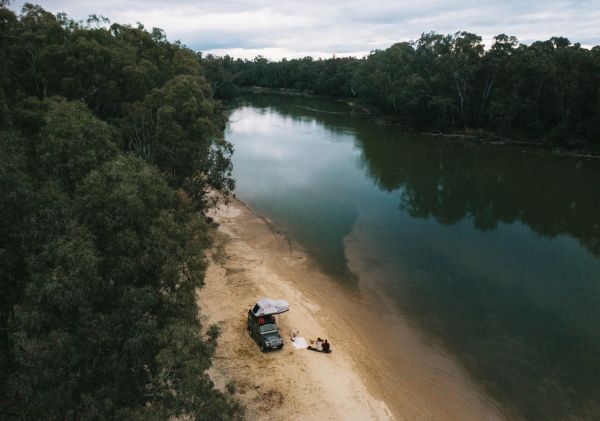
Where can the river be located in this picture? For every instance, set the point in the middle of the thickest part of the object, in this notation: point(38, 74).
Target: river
point(492, 251)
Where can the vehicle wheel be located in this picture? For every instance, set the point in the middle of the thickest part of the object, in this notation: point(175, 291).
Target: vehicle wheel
point(263, 348)
point(249, 332)
point(280, 346)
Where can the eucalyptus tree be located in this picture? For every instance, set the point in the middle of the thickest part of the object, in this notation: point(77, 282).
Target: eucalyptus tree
point(179, 128)
point(101, 251)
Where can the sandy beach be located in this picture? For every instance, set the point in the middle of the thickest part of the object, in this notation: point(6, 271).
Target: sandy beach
point(380, 367)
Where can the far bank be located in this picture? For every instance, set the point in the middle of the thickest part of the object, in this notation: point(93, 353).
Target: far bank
point(463, 135)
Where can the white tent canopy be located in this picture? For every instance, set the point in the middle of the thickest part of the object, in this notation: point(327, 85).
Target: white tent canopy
point(268, 306)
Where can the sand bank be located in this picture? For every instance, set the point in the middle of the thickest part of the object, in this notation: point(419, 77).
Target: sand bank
point(380, 368)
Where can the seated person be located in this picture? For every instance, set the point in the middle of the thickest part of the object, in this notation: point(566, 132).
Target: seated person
point(319, 344)
point(325, 346)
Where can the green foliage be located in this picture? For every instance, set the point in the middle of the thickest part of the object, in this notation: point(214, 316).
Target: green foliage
point(72, 142)
point(218, 71)
point(330, 77)
point(101, 238)
point(180, 129)
point(16, 188)
point(548, 91)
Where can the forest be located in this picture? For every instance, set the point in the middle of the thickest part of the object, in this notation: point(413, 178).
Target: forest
point(111, 149)
point(546, 93)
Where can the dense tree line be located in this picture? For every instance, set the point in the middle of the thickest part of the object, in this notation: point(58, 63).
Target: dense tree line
point(549, 90)
point(110, 146)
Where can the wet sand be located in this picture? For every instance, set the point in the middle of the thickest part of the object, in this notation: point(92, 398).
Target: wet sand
point(381, 368)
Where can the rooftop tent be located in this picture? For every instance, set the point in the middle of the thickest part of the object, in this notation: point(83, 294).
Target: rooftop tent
point(267, 306)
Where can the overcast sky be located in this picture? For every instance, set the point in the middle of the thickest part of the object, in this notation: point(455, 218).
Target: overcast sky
point(295, 28)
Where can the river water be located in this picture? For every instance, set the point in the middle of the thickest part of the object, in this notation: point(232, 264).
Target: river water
point(494, 251)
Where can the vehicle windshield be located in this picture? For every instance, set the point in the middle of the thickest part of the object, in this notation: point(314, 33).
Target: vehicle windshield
point(268, 328)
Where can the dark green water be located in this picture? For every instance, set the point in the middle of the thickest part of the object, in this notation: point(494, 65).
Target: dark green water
point(493, 251)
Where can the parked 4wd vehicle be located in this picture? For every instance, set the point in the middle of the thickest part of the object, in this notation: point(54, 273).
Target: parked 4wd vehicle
point(264, 331)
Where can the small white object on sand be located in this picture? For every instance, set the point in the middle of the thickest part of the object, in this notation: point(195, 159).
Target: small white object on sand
point(299, 343)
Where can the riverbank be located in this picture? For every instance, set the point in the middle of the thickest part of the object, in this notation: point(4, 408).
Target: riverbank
point(380, 368)
point(467, 135)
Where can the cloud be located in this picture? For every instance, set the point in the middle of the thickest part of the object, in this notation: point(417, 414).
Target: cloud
point(291, 28)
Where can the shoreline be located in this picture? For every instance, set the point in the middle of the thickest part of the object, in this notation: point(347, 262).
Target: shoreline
point(381, 368)
point(475, 136)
